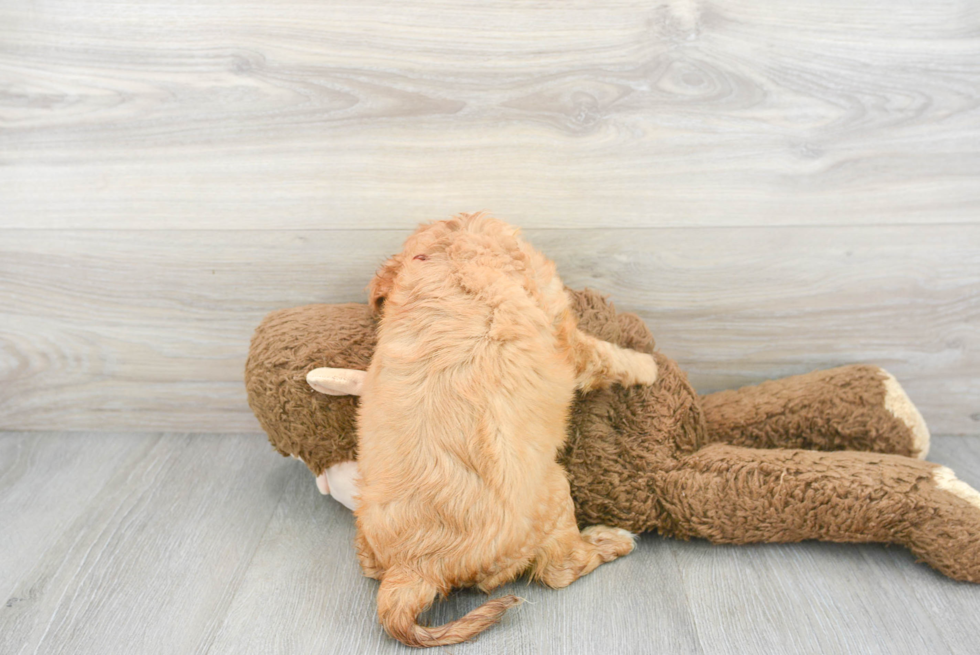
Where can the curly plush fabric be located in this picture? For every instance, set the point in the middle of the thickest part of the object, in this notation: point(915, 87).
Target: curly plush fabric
point(829, 455)
point(288, 343)
point(836, 409)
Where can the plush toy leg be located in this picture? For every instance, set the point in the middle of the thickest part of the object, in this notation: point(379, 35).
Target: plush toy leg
point(729, 494)
point(847, 408)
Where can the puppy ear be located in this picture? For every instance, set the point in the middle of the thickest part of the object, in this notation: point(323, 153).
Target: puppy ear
point(382, 284)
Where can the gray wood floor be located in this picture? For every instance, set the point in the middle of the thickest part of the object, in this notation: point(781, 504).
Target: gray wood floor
point(152, 543)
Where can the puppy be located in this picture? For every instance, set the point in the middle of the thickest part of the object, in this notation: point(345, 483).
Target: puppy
point(462, 413)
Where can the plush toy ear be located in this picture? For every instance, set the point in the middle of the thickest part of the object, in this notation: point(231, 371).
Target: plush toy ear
point(382, 284)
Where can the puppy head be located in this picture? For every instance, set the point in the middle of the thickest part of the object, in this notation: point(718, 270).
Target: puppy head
point(383, 282)
point(433, 246)
point(427, 241)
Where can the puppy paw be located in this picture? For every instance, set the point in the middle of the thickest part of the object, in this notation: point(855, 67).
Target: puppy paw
point(610, 542)
point(643, 369)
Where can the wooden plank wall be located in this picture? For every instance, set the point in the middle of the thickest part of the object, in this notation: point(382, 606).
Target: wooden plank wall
point(773, 188)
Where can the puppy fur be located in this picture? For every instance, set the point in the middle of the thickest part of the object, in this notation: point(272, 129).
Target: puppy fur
point(464, 408)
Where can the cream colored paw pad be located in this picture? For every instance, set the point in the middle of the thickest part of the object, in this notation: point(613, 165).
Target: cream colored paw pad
point(947, 481)
point(901, 407)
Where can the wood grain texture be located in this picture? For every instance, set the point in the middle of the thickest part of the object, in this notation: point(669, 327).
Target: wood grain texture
point(832, 598)
point(305, 593)
point(248, 115)
point(58, 478)
point(144, 330)
point(151, 563)
point(214, 544)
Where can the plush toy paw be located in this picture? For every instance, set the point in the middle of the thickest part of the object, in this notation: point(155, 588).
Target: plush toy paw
point(341, 481)
point(949, 540)
point(336, 381)
point(900, 406)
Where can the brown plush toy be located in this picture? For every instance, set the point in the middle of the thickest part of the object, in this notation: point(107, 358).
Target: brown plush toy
point(834, 455)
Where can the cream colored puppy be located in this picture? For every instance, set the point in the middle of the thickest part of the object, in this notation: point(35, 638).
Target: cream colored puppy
point(462, 413)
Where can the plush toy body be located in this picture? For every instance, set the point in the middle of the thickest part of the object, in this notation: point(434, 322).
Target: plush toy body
point(834, 455)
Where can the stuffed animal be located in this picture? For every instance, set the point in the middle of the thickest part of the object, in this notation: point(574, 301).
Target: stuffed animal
point(834, 455)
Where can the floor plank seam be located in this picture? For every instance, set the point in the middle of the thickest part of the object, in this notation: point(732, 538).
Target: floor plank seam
point(212, 634)
point(687, 598)
point(91, 508)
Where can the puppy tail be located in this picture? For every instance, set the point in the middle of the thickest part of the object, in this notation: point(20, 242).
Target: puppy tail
point(404, 595)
